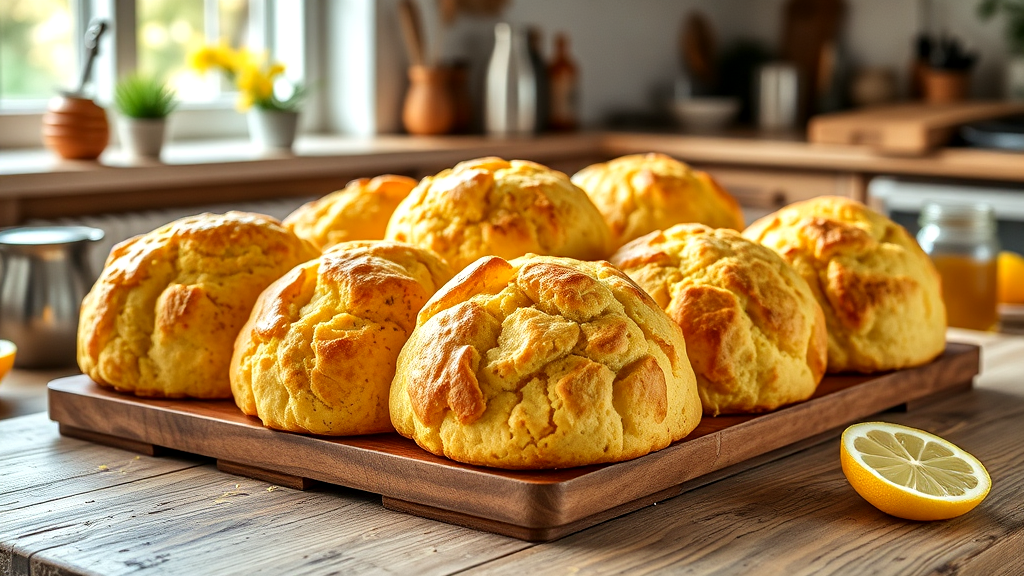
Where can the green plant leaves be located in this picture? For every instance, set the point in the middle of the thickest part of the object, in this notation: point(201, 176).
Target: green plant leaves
point(138, 96)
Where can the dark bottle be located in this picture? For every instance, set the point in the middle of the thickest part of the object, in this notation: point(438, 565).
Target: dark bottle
point(564, 80)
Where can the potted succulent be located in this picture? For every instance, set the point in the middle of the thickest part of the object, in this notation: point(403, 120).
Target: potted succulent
point(143, 104)
point(272, 118)
point(1014, 11)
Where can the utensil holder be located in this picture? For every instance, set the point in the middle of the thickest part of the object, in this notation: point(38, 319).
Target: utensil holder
point(946, 86)
point(429, 107)
point(75, 128)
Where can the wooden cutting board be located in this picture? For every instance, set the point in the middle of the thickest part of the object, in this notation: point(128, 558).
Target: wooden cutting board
point(530, 505)
point(910, 129)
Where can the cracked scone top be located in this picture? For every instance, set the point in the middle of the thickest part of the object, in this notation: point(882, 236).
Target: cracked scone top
point(319, 350)
point(359, 211)
point(755, 335)
point(880, 293)
point(641, 193)
point(543, 362)
point(490, 206)
point(163, 315)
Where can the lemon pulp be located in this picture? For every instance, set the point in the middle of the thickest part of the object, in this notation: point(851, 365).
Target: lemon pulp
point(910, 473)
point(909, 461)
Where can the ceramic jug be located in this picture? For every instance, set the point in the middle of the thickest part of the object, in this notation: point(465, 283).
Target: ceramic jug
point(511, 101)
point(44, 275)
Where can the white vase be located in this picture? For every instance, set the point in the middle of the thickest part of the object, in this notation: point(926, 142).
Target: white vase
point(1015, 78)
point(272, 129)
point(510, 107)
point(141, 138)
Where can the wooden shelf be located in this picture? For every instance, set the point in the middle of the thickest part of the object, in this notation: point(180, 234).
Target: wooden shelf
point(35, 185)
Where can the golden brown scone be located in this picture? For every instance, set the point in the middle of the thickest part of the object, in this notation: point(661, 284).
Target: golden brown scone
point(489, 206)
point(318, 352)
point(880, 292)
point(755, 335)
point(641, 193)
point(543, 362)
point(359, 211)
point(163, 316)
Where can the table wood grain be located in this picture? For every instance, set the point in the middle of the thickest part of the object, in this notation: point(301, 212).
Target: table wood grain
point(71, 507)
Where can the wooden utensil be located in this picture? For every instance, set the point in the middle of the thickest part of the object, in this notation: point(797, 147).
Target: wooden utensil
point(698, 49)
point(412, 32)
point(809, 26)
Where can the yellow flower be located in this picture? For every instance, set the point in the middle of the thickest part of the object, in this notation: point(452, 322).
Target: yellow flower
point(224, 56)
point(244, 102)
point(255, 83)
point(202, 59)
point(220, 55)
point(251, 72)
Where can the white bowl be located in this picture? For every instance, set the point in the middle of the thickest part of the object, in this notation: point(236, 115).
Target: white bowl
point(706, 114)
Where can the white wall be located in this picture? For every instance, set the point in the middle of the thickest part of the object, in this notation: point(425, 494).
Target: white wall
point(626, 48)
point(880, 33)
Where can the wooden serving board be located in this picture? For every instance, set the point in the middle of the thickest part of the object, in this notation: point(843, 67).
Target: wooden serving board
point(903, 129)
point(530, 505)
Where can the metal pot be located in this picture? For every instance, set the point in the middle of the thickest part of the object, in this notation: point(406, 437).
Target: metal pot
point(45, 276)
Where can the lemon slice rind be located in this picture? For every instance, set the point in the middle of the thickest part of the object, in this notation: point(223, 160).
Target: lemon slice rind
point(960, 475)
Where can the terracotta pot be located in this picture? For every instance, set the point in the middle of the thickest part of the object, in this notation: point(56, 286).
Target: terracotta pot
point(429, 108)
point(75, 128)
point(946, 86)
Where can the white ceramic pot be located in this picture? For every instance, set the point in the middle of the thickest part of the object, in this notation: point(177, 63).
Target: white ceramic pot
point(272, 129)
point(141, 138)
point(1015, 78)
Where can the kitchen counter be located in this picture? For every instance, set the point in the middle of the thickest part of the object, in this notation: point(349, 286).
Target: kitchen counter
point(754, 167)
point(71, 507)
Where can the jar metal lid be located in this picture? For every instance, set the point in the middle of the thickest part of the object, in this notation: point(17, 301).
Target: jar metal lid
point(49, 235)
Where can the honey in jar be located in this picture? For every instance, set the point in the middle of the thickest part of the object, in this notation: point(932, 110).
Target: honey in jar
point(961, 240)
point(969, 291)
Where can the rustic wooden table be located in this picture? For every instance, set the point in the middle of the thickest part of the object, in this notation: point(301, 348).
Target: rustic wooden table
point(71, 507)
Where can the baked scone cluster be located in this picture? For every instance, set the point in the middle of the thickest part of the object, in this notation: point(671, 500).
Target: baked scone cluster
point(359, 211)
point(881, 294)
point(491, 206)
point(754, 332)
point(543, 362)
point(538, 354)
point(319, 350)
point(162, 318)
point(641, 193)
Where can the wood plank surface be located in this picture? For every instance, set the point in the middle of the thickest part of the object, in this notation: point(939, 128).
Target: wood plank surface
point(973, 163)
point(541, 501)
point(201, 521)
point(796, 515)
point(40, 465)
point(800, 516)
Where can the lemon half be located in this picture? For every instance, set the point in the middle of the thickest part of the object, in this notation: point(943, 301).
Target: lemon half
point(910, 473)
point(7, 353)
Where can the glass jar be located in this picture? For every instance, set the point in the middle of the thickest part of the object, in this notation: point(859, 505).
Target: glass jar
point(961, 241)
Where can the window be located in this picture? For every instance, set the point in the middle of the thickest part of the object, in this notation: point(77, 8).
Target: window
point(40, 54)
point(36, 51)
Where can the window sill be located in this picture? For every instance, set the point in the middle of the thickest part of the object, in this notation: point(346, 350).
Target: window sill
point(37, 172)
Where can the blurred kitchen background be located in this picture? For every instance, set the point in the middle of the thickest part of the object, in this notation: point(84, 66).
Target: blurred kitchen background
point(897, 103)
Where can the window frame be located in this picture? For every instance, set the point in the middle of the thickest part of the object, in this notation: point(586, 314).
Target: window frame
point(20, 124)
